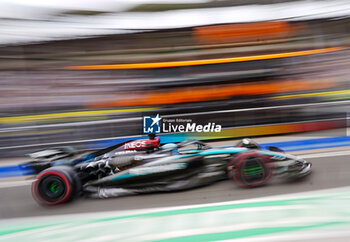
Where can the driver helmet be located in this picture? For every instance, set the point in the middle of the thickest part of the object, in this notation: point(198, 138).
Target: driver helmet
point(171, 147)
point(248, 143)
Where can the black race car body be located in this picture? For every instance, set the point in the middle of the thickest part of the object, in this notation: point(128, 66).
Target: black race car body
point(173, 167)
point(67, 155)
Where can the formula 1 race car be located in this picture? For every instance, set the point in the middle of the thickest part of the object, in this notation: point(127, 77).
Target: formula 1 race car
point(172, 167)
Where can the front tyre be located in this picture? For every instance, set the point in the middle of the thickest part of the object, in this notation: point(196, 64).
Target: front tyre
point(250, 170)
point(56, 185)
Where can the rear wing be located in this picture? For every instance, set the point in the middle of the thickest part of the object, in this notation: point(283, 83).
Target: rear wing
point(63, 151)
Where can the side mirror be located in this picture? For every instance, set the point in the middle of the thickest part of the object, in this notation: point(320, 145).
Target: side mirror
point(276, 149)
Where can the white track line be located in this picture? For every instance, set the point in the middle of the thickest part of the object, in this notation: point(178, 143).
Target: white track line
point(299, 236)
point(325, 154)
point(6, 184)
point(113, 213)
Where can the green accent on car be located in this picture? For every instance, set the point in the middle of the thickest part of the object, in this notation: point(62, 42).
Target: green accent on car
point(122, 177)
point(215, 152)
point(54, 187)
point(222, 151)
point(273, 154)
point(253, 170)
point(185, 156)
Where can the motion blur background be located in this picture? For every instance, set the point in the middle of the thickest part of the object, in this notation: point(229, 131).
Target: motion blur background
point(78, 72)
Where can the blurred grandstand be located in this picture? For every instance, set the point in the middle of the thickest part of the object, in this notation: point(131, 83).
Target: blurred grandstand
point(96, 83)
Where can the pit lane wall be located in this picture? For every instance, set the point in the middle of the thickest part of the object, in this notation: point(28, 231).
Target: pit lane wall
point(79, 136)
point(305, 216)
point(236, 132)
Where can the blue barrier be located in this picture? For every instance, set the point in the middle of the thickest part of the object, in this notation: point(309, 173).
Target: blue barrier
point(17, 170)
point(310, 144)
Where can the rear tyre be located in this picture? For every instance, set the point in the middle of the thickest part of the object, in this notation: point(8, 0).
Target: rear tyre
point(250, 170)
point(56, 185)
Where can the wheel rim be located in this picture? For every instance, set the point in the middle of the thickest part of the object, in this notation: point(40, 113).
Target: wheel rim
point(253, 171)
point(52, 188)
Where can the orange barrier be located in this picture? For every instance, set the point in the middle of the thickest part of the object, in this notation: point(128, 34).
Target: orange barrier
point(217, 93)
point(230, 33)
point(205, 62)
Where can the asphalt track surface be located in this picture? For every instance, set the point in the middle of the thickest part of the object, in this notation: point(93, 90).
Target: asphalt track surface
point(328, 172)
